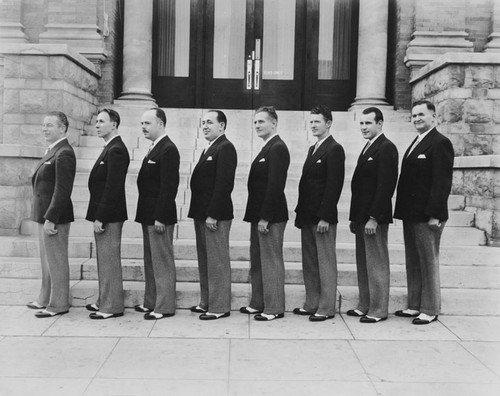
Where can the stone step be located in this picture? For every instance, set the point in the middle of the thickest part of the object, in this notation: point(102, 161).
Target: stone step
point(240, 231)
point(132, 248)
point(454, 301)
point(452, 276)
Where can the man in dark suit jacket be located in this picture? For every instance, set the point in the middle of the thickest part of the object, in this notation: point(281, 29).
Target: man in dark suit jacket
point(52, 209)
point(211, 208)
point(267, 212)
point(372, 186)
point(158, 182)
point(319, 192)
point(422, 203)
point(108, 211)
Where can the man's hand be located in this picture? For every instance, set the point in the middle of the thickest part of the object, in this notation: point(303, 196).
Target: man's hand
point(159, 227)
point(371, 226)
point(323, 226)
point(262, 226)
point(434, 224)
point(211, 224)
point(98, 227)
point(49, 228)
point(352, 227)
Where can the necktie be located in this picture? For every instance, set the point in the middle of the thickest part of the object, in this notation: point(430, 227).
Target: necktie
point(150, 148)
point(415, 144)
point(367, 146)
point(315, 147)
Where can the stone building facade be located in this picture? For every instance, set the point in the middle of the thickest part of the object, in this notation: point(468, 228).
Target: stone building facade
point(78, 55)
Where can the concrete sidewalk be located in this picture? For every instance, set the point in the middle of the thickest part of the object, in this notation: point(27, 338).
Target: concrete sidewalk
point(72, 356)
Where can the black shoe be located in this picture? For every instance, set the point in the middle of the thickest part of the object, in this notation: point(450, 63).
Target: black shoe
point(366, 319)
point(418, 321)
point(198, 309)
point(301, 311)
point(102, 315)
point(405, 315)
point(249, 310)
point(213, 316)
point(92, 307)
point(48, 314)
point(156, 316)
point(268, 317)
point(320, 318)
point(355, 312)
point(141, 308)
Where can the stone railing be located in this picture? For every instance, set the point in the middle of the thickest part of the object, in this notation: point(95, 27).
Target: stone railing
point(35, 79)
point(465, 87)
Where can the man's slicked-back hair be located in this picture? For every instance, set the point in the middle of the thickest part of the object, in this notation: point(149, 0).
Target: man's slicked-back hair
point(324, 111)
point(160, 114)
point(378, 114)
point(61, 117)
point(271, 110)
point(430, 106)
point(221, 117)
point(113, 115)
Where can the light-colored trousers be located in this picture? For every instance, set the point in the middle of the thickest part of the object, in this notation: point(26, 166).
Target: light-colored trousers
point(109, 268)
point(159, 269)
point(319, 267)
point(373, 270)
point(54, 293)
point(267, 268)
point(214, 266)
point(422, 267)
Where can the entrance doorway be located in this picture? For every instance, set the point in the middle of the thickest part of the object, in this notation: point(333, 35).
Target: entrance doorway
point(242, 54)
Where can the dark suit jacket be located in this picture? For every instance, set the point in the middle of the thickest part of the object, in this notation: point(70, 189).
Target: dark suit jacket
point(212, 182)
point(52, 185)
point(425, 181)
point(158, 182)
point(321, 184)
point(266, 183)
point(373, 182)
point(107, 184)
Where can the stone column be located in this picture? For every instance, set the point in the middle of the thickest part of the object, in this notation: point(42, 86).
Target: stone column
point(372, 54)
point(494, 38)
point(11, 28)
point(74, 22)
point(137, 52)
point(439, 28)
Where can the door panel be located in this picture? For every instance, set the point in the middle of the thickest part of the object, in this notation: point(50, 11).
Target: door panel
point(242, 54)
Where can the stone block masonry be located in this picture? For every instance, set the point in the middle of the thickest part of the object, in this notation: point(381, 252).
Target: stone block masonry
point(465, 87)
point(35, 79)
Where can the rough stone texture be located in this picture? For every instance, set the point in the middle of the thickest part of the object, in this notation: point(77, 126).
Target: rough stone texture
point(468, 106)
point(33, 85)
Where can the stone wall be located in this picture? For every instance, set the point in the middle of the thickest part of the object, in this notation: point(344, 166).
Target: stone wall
point(465, 87)
point(35, 79)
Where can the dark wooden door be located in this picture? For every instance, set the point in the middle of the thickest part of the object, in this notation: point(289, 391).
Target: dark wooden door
point(254, 54)
point(242, 54)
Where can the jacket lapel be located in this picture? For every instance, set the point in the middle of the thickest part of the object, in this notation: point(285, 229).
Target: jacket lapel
point(50, 154)
point(320, 152)
point(264, 151)
point(209, 152)
point(423, 145)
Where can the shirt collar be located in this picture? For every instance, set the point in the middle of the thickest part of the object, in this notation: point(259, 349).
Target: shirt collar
point(51, 146)
point(106, 143)
point(213, 141)
point(158, 140)
point(375, 138)
point(422, 135)
point(320, 142)
point(268, 140)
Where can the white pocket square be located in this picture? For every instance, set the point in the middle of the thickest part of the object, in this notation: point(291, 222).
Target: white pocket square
point(262, 160)
point(370, 159)
point(101, 163)
point(151, 162)
point(318, 161)
point(47, 162)
point(209, 158)
point(421, 156)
